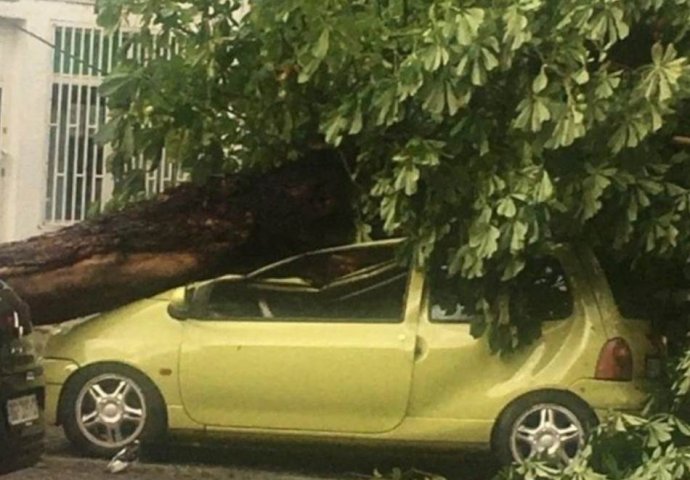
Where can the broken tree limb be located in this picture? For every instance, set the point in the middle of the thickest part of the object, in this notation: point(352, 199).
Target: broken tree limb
point(188, 233)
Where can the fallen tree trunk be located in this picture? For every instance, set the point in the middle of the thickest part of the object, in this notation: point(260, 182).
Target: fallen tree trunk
point(187, 233)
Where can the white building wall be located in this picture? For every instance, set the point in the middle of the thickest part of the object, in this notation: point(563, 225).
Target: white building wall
point(7, 46)
point(26, 72)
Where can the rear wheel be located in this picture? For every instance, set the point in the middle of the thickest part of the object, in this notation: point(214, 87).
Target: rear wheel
point(105, 407)
point(550, 425)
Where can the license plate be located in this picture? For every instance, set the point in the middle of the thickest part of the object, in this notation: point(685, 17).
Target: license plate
point(22, 410)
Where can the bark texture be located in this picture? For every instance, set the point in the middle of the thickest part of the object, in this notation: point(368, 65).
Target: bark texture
point(188, 233)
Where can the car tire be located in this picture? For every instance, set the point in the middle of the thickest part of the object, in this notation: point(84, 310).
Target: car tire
point(551, 423)
point(101, 400)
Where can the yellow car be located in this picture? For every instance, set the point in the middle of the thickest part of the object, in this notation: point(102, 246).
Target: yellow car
point(342, 345)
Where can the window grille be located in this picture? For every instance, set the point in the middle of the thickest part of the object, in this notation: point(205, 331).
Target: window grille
point(77, 180)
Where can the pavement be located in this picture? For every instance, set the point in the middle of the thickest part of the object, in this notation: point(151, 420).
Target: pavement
point(256, 462)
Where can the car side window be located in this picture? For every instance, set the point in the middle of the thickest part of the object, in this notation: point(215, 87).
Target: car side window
point(381, 301)
point(358, 285)
point(369, 300)
point(541, 291)
point(232, 300)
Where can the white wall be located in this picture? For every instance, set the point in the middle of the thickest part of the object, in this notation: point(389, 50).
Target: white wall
point(26, 75)
point(7, 41)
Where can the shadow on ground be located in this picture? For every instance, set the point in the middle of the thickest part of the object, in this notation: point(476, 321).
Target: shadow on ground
point(334, 462)
point(325, 462)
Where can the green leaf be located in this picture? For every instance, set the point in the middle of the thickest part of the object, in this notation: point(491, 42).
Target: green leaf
point(407, 178)
point(516, 31)
point(515, 266)
point(484, 239)
point(518, 236)
point(594, 187)
point(356, 125)
point(545, 188)
point(468, 23)
point(117, 83)
point(434, 56)
point(532, 114)
point(333, 128)
point(506, 207)
point(386, 103)
point(108, 132)
point(478, 74)
point(621, 27)
point(411, 77)
point(489, 59)
point(540, 81)
point(127, 144)
point(454, 102)
point(540, 114)
point(581, 76)
point(320, 50)
point(308, 69)
point(435, 100)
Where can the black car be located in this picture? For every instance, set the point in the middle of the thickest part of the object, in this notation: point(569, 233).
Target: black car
point(21, 387)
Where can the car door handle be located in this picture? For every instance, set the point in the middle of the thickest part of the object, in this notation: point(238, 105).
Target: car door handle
point(420, 349)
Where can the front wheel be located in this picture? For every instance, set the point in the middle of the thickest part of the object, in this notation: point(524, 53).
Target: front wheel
point(105, 407)
point(552, 426)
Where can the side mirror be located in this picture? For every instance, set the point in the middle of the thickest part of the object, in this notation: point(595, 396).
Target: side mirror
point(180, 305)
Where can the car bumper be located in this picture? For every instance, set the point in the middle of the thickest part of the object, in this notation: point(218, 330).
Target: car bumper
point(57, 371)
point(604, 395)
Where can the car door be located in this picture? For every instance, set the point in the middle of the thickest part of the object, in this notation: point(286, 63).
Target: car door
point(269, 354)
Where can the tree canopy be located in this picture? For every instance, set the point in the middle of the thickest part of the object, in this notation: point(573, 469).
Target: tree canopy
point(480, 130)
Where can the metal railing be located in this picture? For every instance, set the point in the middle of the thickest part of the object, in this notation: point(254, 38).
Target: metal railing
point(78, 180)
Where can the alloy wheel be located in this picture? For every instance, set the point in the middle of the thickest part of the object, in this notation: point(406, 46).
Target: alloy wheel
point(547, 431)
point(110, 410)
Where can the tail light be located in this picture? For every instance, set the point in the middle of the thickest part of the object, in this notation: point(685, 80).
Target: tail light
point(615, 361)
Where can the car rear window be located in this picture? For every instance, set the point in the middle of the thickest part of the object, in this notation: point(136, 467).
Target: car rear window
point(540, 292)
